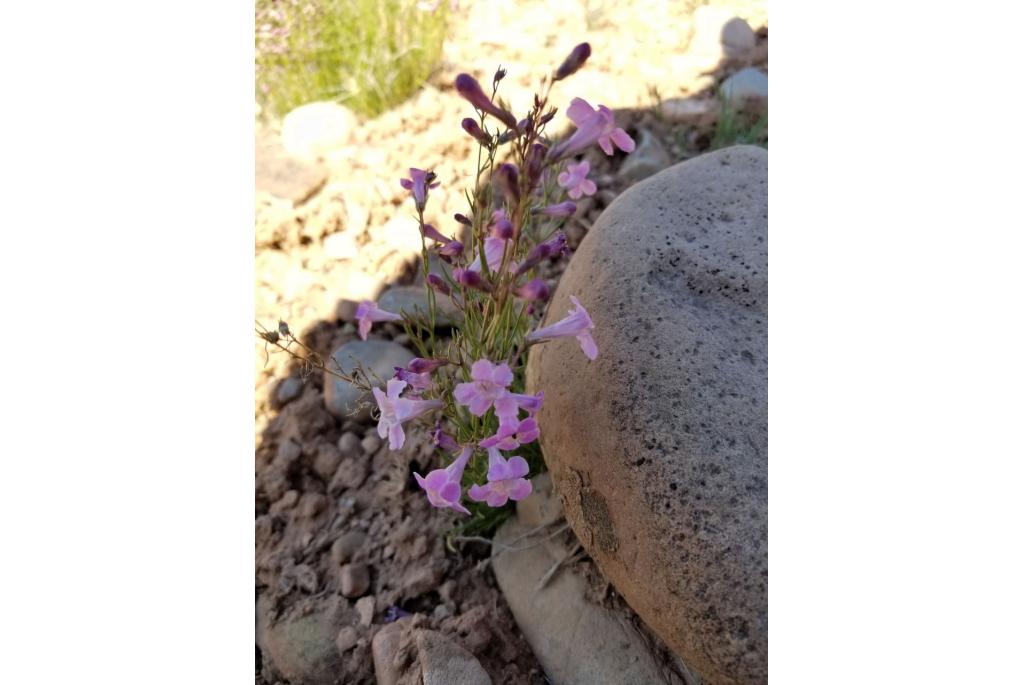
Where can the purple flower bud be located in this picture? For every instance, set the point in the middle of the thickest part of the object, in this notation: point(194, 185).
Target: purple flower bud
point(549, 116)
point(525, 125)
point(499, 74)
point(536, 289)
point(429, 231)
point(470, 89)
point(549, 248)
point(471, 279)
point(507, 135)
point(420, 365)
point(451, 250)
point(535, 162)
point(438, 284)
point(443, 440)
point(463, 219)
point(561, 209)
point(507, 178)
point(573, 62)
point(472, 128)
point(501, 226)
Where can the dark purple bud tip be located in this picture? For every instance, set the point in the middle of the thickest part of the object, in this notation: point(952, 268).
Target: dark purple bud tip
point(536, 289)
point(499, 74)
point(573, 62)
point(420, 365)
point(471, 279)
point(438, 284)
point(472, 128)
point(463, 219)
point(503, 229)
point(453, 248)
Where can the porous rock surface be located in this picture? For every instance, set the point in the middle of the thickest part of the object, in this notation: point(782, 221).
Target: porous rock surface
point(659, 447)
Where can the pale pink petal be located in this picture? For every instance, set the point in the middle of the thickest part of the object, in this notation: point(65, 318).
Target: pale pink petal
point(364, 327)
point(395, 388)
point(622, 140)
point(578, 111)
point(457, 506)
point(564, 179)
point(479, 493)
point(520, 490)
point(481, 370)
point(517, 467)
point(502, 375)
point(606, 145)
point(465, 392)
point(436, 479)
point(496, 498)
point(587, 187)
point(382, 429)
point(396, 436)
point(479, 405)
point(588, 345)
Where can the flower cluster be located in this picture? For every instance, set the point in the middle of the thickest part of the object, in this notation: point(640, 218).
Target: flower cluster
point(470, 386)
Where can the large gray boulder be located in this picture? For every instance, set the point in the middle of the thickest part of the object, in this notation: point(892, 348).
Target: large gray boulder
point(658, 448)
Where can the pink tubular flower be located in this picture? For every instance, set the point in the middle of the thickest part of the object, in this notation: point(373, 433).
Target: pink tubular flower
point(575, 179)
point(421, 181)
point(490, 383)
point(368, 312)
point(509, 405)
point(395, 410)
point(505, 480)
point(577, 324)
point(494, 252)
point(444, 486)
point(513, 433)
point(593, 126)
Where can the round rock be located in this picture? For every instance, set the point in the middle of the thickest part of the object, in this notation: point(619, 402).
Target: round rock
point(412, 300)
point(379, 357)
point(315, 129)
point(658, 447)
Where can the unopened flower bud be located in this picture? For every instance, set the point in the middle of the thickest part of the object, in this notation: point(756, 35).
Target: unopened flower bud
point(452, 249)
point(556, 245)
point(420, 365)
point(429, 231)
point(283, 329)
point(536, 289)
point(561, 209)
point(573, 62)
point(548, 117)
point(502, 227)
point(443, 440)
point(438, 284)
point(535, 163)
point(463, 219)
point(507, 178)
point(470, 89)
point(499, 74)
point(471, 279)
point(472, 128)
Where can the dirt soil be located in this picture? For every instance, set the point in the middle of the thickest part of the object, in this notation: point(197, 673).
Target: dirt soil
point(330, 497)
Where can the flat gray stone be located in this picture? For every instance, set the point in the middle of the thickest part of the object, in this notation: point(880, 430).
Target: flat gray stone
point(378, 357)
point(658, 447)
point(442, 662)
point(412, 300)
point(747, 88)
point(300, 648)
point(577, 641)
point(647, 159)
point(282, 175)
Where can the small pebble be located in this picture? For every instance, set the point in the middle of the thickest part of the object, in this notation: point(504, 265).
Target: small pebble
point(288, 451)
point(346, 639)
point(355, 580)
point(345, 547)
point(311, 504)
point(371, 443)
point(305, 578)
point(288, 390)
point(365, 609)
point(349, 445)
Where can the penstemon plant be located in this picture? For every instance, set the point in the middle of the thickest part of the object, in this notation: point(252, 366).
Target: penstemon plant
point(468, 389)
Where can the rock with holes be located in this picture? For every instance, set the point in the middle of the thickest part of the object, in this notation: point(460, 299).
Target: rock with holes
point(658, 447)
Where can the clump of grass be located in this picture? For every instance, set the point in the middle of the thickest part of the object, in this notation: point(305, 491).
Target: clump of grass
point(736, 127)
point(367, 54)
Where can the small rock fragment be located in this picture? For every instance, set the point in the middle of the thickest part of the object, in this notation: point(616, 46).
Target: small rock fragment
point(355, 580)
point(346, 639)
point(364, 607)
point(349, 445)
point(345, 547)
